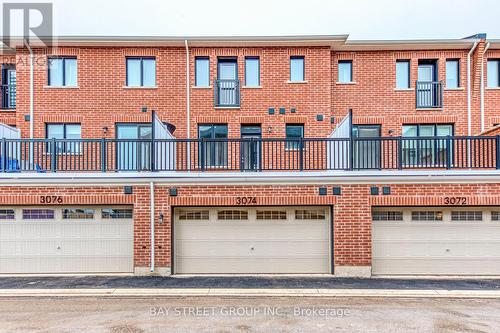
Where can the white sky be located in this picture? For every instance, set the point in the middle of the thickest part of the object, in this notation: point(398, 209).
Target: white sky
point(362, 19)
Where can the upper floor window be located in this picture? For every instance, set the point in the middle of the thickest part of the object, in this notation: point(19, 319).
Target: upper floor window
point(452, 73)
point(65, 131)
point(252, 71)
point(141, 72)
point(294, 132)
point(345, 71)
point(202, 72)
point(297, 69)
point(62, 71)
point(493, 73)
point(402, 74)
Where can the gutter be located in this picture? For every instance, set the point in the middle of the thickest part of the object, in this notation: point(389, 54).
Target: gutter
point(32, 89)
point(469, 103)
point(188, 111)
point(152, 223)
point(482, 87)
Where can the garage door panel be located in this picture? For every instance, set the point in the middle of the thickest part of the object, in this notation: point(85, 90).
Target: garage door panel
point(438, 232)
point(444, 247)
point(66, 245)
point(435, 248)
point(254, 248)
point(221, 231)
point(444, 266)
point(249, 246)
point(253, 266)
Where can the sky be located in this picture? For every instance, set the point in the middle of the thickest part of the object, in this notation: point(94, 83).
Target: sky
point(361, 19)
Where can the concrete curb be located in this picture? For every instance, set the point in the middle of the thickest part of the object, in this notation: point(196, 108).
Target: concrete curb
point(221, 292)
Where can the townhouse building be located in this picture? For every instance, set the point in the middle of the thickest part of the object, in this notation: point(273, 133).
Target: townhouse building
point(251, 155)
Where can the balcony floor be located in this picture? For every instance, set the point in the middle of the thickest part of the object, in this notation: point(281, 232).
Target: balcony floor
point(317, 177)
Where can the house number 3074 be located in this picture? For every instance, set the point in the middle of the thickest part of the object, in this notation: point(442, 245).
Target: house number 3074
point(246, 200)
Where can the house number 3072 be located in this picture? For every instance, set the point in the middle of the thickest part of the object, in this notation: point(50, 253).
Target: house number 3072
point(246, 200)
point(457, 201)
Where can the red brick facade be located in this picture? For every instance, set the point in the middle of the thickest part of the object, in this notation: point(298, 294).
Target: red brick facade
point(101, 100)
point(351, 210)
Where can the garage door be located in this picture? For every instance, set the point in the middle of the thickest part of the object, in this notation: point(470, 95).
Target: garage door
point(436, 241)
point(66, 240)
point(252, 240)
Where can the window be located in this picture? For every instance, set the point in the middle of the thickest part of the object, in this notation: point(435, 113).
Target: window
point(38, 214)
point(7, 214)
point(495, 215)
point(202, 72)
point(141, 72)
point(402, 74)
point(185, 215)
point(214, 152)
point(271, 215)
point(310, 214)
point(297, 69)
point(466, 215)
point(345, 71)
point(293, 133)
point(493, 73)
point(452, 74)
point(232, 215)
point(77, 213)
point(116, 213)
point(387, 216)
point(427, 216)
point(252, 71)
point(430, 150)
point(64, 131)
point(62, 71)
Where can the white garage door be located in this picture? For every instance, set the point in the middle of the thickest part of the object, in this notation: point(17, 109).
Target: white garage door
point(66, 240)
point(252, 240)
point(436, 241)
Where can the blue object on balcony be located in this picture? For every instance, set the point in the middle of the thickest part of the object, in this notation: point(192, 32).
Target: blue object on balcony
point(282, 110)
point(39, 169)
point(270, 111)
point(12, 166)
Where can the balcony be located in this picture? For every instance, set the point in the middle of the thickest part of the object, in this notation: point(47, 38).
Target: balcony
point(8, 93)
point(249, 155)
point(227, 93)
point(429, 94)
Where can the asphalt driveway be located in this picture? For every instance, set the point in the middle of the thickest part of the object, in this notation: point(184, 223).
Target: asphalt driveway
point(250, 314)
point(78, 282)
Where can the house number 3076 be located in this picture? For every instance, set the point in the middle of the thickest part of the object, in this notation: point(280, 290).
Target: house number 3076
point(51, 199)
point(246, 200)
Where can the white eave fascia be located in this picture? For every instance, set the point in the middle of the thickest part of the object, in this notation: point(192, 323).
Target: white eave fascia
point(494, 44)
point(403, 45)
point(194, 41)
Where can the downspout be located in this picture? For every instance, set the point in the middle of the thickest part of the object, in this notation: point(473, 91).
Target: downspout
point(482, 87)
point(469, 103)
point(32, 89)
point(188, 115)
point(152, 223)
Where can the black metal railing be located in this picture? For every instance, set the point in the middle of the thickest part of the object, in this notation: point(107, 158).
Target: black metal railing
point(269, 154)
point(8, 93)
point(429, 94)
point(227, 93)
